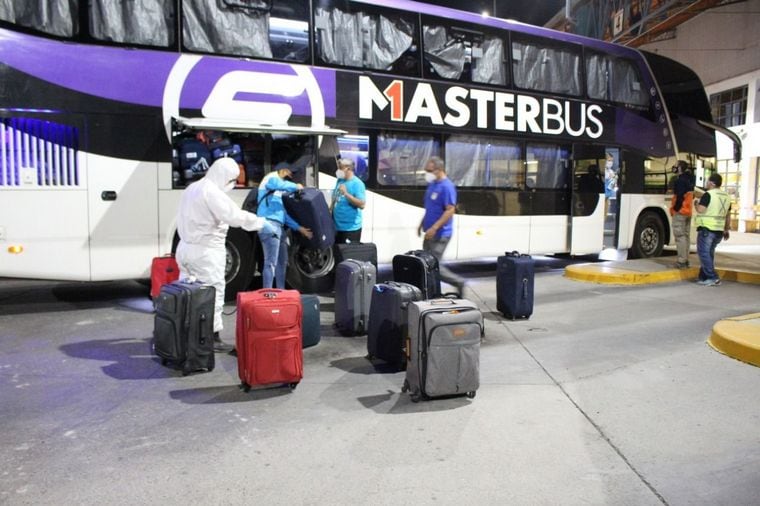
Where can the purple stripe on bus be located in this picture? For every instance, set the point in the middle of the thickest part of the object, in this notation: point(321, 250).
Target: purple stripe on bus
point(126, 75)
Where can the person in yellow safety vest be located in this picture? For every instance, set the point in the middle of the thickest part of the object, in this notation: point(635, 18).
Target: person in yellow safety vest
point(680, 209)
point(713, 221)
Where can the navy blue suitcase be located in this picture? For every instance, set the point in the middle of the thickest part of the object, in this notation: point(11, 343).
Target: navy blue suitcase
point(365, 251)
point(514, 285)
point(418, 268)
point(388, 323)
point(309, 208)
point(194, 159)
point(232, 151)
point(311, 320)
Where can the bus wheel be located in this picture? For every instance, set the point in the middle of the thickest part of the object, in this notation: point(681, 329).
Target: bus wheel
point(649, 237)
point(238, 272)
point(311, 271)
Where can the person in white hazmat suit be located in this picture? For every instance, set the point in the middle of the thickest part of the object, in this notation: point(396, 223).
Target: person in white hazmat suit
point(205, 213)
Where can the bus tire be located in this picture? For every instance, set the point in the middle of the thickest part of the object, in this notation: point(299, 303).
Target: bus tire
point(239, 268)
point(648, 237)
point(311, 271)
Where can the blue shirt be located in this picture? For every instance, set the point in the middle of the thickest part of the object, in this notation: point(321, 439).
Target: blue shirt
point(271, 206)
point(438, 196)
point(347, 217)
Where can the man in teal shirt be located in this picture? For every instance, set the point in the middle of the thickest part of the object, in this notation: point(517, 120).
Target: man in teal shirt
point(347, 203)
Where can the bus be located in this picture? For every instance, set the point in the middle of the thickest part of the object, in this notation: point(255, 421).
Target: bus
point(103, 103)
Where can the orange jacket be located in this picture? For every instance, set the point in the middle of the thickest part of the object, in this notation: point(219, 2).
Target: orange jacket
point(687, 205)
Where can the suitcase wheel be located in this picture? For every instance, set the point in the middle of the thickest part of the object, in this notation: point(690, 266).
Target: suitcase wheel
point(470, 395)
point(293, 385)
point(369, 356)
point(164, 362)
point(415, 397)
point(185, 373)
point(246, 387)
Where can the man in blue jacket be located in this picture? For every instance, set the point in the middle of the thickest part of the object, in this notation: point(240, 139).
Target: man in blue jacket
point(274, 240)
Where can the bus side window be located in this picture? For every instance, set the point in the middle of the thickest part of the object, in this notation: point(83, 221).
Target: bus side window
point(230, 28)
point(382, 40)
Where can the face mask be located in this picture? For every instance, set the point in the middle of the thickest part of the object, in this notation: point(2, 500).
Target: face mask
point(429, 177)
point(340, 174)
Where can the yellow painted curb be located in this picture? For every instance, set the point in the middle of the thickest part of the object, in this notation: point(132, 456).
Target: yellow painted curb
point(738, 337)
point(605, 274)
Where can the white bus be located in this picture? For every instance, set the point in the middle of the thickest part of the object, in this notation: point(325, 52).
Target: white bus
point(101, 100)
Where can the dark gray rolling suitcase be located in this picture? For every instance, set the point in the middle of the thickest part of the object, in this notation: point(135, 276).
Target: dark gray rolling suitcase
point(311, 332)
point(443, 348)
point(514, 285)
point(354, 280)
point(183, 327)
point(418, 268)
point(309, 209)
point(388, 323)
point(366, 251)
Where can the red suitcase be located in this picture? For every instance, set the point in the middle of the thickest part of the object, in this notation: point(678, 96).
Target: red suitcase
point(163, 270)
point(268, 337)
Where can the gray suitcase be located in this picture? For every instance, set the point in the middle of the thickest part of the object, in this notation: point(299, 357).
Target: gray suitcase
point(443, 348)
point(354, 280)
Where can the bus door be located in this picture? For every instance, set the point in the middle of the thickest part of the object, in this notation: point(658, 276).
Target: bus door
point(588, 202)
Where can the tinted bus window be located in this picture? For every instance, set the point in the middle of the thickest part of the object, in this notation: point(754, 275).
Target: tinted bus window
point(145, 22)
point(615, 80)
point(463, 54)
point(484, 162)
point(55, 18)
point(538, 65)
point(356, 147)
point(366, 38)
point(547, 166)
point(401, 158)
point(235, 27)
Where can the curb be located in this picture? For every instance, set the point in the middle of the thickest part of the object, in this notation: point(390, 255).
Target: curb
point(738, 337)
point(608, 274)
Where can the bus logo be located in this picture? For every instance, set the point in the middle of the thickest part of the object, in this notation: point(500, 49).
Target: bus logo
point(459, 106)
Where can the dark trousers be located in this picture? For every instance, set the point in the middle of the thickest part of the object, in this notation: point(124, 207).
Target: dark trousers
point(437, 247)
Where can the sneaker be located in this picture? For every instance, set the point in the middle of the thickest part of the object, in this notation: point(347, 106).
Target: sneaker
point(682, 265)
point(704, 282)
point(713, 282)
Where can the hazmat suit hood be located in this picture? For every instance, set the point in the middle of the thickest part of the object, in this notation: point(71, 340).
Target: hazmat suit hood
point(222, 172)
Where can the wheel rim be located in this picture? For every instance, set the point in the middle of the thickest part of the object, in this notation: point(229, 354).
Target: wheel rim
point(314, 263)
point(649, 240)
point(232, 263)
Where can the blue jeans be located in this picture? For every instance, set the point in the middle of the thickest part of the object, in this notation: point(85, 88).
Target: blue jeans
point(274, 242)
point(707, 240)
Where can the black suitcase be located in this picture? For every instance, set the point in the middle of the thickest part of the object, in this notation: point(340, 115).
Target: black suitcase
point(311, 334)
point(388, 321)
point(354, 280)
point(418, 268)
point(309, 208)
point(365, 251)
point(183, 327)
point(514, 285)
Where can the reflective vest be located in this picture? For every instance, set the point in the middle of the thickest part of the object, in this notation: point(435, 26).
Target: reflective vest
point(686, 205)
point(715, 217)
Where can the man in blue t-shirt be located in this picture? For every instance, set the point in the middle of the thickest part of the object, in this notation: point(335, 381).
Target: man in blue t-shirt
point(347, 203)
point(438, 222)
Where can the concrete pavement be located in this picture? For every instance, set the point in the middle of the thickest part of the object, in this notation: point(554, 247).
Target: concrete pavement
point(607, 395)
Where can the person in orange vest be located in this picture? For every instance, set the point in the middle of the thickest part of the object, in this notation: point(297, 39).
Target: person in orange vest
point(681, 205)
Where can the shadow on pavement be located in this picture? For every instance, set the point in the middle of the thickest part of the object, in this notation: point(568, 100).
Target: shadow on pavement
point(228, 394)
point(131, 359)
